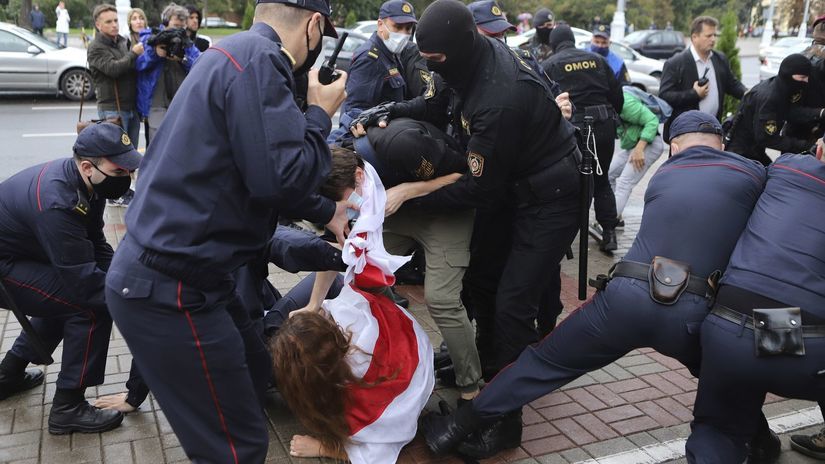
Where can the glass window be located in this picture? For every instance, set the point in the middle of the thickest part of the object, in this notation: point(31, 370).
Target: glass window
point(623, 52)
point(655, 39)
point(11, 43)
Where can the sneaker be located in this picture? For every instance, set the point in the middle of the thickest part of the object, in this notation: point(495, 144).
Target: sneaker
point(810, 445)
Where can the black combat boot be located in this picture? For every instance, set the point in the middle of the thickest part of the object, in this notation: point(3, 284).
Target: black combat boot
point(15, 378)
point(504, 434)
point(443, 432)
point(765, 447)
point(608, 240)
point(72, 413)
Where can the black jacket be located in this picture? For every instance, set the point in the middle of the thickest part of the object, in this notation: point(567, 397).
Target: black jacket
point(586, 76)
point(678, 77)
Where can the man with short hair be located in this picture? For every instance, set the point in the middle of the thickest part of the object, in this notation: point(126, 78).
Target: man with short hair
point(699, 77)
point(193, 24)
point(539, 44)
point(112, 65)
point(600, 44)
point(235, 151)
point(54, 259)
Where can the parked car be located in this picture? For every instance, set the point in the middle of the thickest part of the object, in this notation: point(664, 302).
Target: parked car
point(633, 59)
point(770, 65)
point(366, 27)
point(517, 40)
point(31, 63)
point(779, 45)
point(345, 56)
point(214, 21)
point(644, 81)
point(656, 43)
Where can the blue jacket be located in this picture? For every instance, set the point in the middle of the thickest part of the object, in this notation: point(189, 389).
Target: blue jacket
point(235, 150)
point(149, 66)
point(48, 216)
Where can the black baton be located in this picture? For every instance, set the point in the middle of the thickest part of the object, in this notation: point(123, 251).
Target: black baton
point(35, 340)
point(585, 180)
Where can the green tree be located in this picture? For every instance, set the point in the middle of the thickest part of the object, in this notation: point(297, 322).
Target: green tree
point(248, 15)
point(727, 45)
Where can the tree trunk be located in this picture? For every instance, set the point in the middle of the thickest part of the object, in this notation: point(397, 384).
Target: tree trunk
point(25, 9)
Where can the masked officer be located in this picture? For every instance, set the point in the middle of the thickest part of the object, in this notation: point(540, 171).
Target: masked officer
point(53, 261)
point(600, 44)
point(539, 44)
point(758, 123)
point(696, 207)
point(233, 150)
point(376, 74)
point(522, 156)
point(772, 298)
point(594, 90)
point(805, 120)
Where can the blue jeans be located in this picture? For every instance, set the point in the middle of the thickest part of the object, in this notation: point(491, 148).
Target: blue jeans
point(131, 122)
point(64, 37)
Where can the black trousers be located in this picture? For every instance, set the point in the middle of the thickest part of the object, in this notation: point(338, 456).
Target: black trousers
point(56, 314)
point(604, 201)
point(193, 357)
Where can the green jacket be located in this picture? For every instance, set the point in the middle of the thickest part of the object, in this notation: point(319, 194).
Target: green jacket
point(637, 122)
point(112, 62)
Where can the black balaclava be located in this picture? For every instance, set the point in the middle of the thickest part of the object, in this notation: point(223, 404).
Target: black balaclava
point(447, 27)
point(793, 64)
point(560, 35)
point(542, 33)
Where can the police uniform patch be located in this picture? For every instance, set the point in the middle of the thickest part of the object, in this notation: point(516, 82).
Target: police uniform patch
point(425, 170)
point(476, 164)
point(465, 124)
point(82, 206)
point(406, 8)
point(373, 53)
point(394, 72)
point(125, 139)
point(770, 127)
point(427, 79)
point(796, 97)
point(495, 10)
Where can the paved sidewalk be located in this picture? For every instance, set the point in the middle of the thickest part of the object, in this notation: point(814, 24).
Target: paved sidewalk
point(636, 410)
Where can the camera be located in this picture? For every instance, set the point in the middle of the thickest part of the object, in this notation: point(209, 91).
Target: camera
point(175, 40)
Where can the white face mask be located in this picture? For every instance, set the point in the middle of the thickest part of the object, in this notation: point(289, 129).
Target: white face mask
point(396, 43)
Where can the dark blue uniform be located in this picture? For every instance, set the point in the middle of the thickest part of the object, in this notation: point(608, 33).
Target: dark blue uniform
point(234, 148)
point(696, 206)
point(53, 260)
point(777, 263)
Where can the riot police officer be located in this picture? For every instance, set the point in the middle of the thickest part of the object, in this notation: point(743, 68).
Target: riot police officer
point(53, 261)
point(600, 44)
point(761, 115)
point(748, 352)
point(696, 207)
point(805, 120)
point(233, 150)
point(539, 44)
point(594, 90)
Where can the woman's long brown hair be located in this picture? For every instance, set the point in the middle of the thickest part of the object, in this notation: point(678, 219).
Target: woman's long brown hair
point(311, 371)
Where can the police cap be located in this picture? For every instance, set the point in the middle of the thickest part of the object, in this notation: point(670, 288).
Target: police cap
point(602, 31)
point(489, 17)
point(399, 11)
point(320, 6)
point(695, 121)
point(542, 16)
point(107, 140)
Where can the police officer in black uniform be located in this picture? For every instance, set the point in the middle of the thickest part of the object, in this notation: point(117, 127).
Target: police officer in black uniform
point(762, 113)
point(594, 90)
point(53, 261)
point(766, 333)
point(805, 120)
point(539, 44)
point(522, 156)
point(233, 150)
point(696, 207)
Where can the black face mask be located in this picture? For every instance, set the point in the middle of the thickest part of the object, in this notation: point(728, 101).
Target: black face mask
point(111, 187)
point(543, 33)
point(312, 55)
point(447, 27)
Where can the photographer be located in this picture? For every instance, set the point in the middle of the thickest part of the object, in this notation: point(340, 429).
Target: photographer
point(168, 57)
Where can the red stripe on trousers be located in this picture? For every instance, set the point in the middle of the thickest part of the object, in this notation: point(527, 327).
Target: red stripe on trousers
point(208, 376)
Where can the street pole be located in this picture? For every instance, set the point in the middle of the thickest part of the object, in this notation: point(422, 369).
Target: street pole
point(767, 34)
point(123, 7)
point(618, 25)
point(803, 28)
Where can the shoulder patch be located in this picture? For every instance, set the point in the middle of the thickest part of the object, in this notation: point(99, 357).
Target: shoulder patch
point(373, 53)
point(427, 79)
point(796, 97)
point(82, 206)
point(465, 124)
point(770, 127)
point(476, 164)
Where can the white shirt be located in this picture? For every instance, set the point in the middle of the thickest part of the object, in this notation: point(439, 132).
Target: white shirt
point(709, 104)
point(62, 20)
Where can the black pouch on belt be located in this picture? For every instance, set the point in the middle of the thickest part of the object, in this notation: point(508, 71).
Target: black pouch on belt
point(668, 279)
point(599, 112)
point(778, 331)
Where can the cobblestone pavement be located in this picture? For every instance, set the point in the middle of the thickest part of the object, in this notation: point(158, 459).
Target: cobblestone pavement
point(636, 410)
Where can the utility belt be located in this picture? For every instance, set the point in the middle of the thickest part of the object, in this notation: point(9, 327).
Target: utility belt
point(599, 113)
point(188, 271)
point(556, 180)
point(668, 279)
point(776, 331)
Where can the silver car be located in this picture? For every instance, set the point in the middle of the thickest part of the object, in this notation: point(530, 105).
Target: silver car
point(31, 63)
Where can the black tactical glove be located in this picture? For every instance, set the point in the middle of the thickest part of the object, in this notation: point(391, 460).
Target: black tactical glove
point(374, 115)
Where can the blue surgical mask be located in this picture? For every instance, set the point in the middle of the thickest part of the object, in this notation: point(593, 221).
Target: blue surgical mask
point(603, 51)
point(354, 198)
